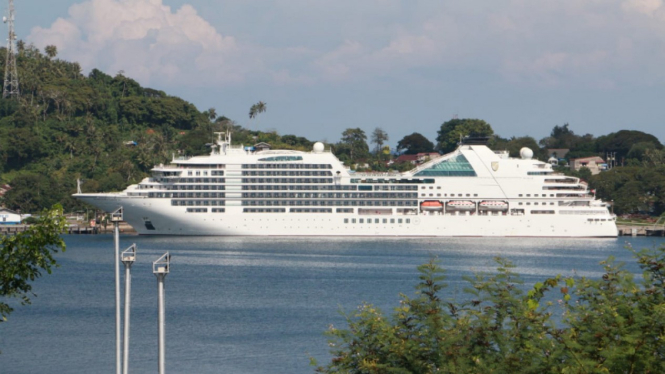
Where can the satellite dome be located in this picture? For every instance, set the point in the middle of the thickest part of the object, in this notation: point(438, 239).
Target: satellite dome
point(526, 153)
point(318, 147)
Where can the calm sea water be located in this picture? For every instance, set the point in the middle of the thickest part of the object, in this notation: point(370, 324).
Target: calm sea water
point(250, 305)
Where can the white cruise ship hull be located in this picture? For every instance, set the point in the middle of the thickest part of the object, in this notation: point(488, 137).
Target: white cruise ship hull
point(167, 220)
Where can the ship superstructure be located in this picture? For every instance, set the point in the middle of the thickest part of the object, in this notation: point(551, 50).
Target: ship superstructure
point(472, 191)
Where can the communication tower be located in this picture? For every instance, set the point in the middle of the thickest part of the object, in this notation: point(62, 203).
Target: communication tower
point(10, 88)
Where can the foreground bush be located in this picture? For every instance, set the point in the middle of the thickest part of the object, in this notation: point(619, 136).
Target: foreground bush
point(614, 324)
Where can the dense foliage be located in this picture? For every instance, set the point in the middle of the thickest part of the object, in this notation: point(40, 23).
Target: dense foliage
point(108, 131)
point(613, 324)
point(24, 256)
point(451, 132)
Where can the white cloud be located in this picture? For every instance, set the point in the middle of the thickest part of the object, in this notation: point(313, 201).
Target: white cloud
point(147, 40)
point(647, 7)
point(566, 42)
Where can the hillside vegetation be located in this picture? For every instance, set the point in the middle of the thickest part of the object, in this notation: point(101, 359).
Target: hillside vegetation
point(106, 130)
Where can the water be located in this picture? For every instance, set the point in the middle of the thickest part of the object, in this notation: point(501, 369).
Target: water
point(250, 305)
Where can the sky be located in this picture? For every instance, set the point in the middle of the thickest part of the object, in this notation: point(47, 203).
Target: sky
point(406, 66)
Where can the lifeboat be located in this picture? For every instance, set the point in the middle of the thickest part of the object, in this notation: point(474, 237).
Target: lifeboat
point(493, 205)
point(458, 205)
point(431, 205)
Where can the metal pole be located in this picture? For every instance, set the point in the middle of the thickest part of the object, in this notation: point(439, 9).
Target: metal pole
point(161, 268)
point(118, 357)
point(116, 217)
point(128, 258)
point(160, 291)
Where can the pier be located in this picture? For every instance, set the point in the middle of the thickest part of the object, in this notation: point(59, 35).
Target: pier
point(72, 229)
point(635, 230)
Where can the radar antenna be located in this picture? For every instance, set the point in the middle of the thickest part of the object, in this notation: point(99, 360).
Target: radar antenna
point(10, 88)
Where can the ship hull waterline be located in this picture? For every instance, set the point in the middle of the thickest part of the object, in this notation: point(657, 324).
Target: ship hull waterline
point(164, 221)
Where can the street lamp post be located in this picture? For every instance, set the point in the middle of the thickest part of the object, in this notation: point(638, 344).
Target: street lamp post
point(128, 258)
point(161, 268)
point(116, 217)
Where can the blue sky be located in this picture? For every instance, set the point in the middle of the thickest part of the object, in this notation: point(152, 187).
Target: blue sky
point(403, 65)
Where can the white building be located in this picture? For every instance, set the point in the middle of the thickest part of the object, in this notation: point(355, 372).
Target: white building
point(9, 217)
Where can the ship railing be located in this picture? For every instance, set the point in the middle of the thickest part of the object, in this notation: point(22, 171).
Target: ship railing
point(389, 175)
point(562, 181)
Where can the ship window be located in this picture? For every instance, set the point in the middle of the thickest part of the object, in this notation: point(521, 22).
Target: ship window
point(376, 220)
point(385, 220)
point(475, 195)
point(520, 203)
point(439, 195)
point(467, 195)
point(528, 195)
point(392, 220)
point(455, 166)
point(399, 221)
point(460, 195)
point(346, 220)
point(408, 220)
point(520, 195)
point(353, 220)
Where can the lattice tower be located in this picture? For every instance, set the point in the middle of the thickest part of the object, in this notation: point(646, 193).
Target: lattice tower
point(10, 88)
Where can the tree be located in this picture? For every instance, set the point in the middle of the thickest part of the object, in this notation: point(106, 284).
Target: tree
point(257, 109)
point(451, 131)
point(51, 51)
point(24, 256)
point(32, 191)
point(562, 137)
point(639, 151)
point(354, 144)
point(414, 144)
point(612, 324)
point(622, 141)
point(379, 137)
point(514, 145)
point(212, 114)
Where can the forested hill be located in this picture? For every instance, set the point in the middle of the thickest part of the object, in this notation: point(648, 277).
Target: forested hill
point(107, 130)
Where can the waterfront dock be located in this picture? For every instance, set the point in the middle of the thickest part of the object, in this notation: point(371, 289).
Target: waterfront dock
point(73, 229)
point(638, 230)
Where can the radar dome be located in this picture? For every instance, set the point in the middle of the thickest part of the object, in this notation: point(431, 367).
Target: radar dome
point(318, 147)
point(526, 153)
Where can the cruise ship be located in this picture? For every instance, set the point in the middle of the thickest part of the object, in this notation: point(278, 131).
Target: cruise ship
point(471, 192)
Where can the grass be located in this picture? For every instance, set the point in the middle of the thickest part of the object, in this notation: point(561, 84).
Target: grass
point(640, 222)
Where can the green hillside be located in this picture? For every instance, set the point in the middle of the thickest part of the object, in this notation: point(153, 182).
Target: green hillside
point(66, 126)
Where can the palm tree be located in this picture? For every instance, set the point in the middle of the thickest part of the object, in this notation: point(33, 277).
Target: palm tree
point(256, 109)
point(212, 114)
point(51, 51)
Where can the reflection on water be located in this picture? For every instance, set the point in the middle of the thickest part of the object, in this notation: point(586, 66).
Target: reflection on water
point(251, 305)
